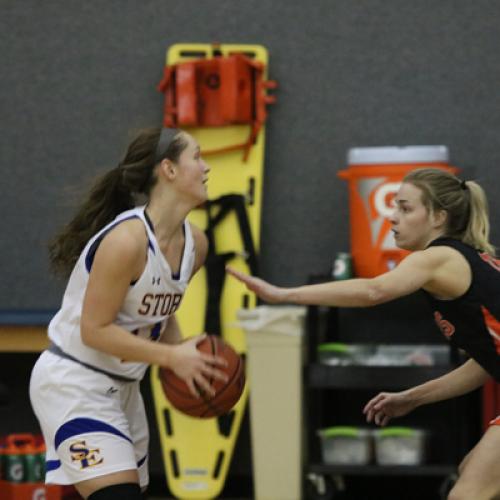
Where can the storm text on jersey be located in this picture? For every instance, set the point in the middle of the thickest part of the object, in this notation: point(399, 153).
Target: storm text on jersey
point(163, 304)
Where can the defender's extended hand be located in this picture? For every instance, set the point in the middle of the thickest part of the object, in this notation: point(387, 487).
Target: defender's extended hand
point(266, 291)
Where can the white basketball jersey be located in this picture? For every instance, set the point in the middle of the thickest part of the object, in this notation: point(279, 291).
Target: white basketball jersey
point(149, 302)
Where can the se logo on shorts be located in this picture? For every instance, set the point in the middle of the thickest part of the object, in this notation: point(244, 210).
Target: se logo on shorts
point(88, 457)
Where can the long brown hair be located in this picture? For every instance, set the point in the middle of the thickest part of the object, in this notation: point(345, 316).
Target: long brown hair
point(464, 201)
point(114, 192)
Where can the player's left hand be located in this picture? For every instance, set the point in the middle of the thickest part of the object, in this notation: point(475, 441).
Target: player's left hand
point(387, 405)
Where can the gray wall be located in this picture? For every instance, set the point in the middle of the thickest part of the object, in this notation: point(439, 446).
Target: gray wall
point(76, 77)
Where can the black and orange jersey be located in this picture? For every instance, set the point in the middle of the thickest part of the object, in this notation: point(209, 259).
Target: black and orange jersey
point(472, 321)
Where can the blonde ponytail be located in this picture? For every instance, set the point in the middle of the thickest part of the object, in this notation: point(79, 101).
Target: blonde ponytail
point(477, 232)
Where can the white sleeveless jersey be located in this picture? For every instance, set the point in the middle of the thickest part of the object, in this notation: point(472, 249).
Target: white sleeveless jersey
point(149, 302)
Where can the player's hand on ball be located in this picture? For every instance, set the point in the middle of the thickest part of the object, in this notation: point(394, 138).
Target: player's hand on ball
point(387, 405)
point(266, 291)
point(195, 367)
point(228, 390)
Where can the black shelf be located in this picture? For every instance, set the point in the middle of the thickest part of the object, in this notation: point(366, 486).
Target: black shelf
point(379, 470)
point(333, 395)
point(369, 377)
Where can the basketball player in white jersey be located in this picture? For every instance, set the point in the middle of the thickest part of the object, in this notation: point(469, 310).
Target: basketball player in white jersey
point(129, 266)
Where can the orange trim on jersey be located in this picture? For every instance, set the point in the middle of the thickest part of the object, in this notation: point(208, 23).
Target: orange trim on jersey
point(494, 263)
point(495, 421)
point(493, 326)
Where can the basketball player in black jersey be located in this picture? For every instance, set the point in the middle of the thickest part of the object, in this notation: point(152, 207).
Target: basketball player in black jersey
point(444, 222)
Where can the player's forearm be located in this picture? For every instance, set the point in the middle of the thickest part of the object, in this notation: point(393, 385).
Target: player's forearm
point(116, 341)
point(462, 380)
point(349, 293)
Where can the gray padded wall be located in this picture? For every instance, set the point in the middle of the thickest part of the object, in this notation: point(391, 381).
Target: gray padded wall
point(77, 77)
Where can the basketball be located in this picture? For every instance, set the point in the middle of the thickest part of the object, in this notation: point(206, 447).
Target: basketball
point(227, 393)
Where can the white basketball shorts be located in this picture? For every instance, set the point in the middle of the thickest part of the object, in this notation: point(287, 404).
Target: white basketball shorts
point(92, 424)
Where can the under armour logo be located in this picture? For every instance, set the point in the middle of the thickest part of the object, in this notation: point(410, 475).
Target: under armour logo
point(156, 281)
point(111, 390)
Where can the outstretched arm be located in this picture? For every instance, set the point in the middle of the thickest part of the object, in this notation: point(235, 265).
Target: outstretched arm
point(411, 274)
point(462, 380)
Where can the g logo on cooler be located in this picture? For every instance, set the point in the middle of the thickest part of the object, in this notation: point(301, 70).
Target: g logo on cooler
point(383, 198)
point(39, 494)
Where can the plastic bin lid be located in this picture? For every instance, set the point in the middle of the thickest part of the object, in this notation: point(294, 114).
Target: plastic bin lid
point(333, 347)
point(398, 432)
point(343, 431)
point(397, 154)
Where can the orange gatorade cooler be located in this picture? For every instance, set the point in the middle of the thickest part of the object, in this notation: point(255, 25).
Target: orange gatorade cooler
point(374, 175)
point(23, 470)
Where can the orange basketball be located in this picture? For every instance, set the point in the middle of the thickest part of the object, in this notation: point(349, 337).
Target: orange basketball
point(227, 393)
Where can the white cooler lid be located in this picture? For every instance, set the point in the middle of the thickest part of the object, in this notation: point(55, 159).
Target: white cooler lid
point(397, 154)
